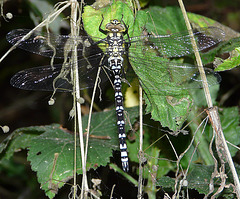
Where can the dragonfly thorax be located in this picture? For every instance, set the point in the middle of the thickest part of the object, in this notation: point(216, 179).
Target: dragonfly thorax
point(116, 45)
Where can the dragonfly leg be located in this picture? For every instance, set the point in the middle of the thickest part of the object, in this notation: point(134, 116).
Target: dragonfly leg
point(100, 29)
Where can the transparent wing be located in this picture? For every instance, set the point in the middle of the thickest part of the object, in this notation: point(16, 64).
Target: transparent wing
point(173, 45)
point(178, 44)
point(167, 78)
point(147, 55)
point(50, 44)
point(144, 53)
point(46, 78)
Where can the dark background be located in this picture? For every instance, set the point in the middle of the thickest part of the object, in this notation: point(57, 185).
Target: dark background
point(19, 108)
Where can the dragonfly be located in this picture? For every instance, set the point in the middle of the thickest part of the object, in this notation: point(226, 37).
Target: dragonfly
point(110, 54)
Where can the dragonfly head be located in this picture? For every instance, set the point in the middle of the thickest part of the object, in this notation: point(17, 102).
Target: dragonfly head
point(115, 26)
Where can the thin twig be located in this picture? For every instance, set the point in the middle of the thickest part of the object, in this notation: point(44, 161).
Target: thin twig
point(213, 113)
point(140, 178)
point(48, 20)
point(75, 32)
point(76, 96)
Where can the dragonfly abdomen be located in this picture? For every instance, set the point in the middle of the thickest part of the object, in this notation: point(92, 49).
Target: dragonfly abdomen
point(115, 64)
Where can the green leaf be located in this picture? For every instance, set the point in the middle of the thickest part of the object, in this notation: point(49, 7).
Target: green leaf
point(92, 17)
point(17, 140)
point(44, 147)
point(199, 178)
point(230, 63)
point(166, 182)
point(165, 20)
point(44, 142)
point(52, 174)
point(201, 21)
